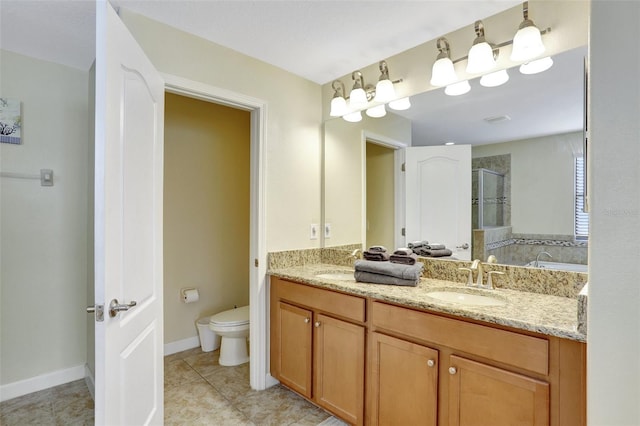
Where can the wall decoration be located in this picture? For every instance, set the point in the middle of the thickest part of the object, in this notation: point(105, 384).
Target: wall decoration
point(10, 121)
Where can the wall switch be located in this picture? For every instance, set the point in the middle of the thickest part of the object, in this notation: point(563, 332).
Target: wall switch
point(313, 231)
point(327, 230)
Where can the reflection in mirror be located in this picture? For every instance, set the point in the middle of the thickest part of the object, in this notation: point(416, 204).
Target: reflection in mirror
point(528, 130)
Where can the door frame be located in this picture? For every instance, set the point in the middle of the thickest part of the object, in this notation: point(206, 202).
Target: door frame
point(258, 294)
point(398, 187)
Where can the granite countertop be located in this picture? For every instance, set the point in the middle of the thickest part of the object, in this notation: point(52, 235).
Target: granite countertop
point(541, 313)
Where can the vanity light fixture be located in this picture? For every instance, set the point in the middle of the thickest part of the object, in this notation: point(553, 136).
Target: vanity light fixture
point(362, 95)
point(442, 72)
point(481, 59)
point(338, 103)
point(527, 43)
point(539, 65)
point(481, 55)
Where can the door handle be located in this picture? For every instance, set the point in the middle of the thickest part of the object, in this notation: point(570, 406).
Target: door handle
point(115, 307)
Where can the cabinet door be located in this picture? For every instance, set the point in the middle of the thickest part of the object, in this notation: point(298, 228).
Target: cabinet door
point(404, 382)
point(483, 395)
point(295, 333)
point(339, 367)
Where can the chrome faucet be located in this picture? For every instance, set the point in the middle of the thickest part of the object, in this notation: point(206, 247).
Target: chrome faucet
point(356, 254)
point(477, 266)
point(537, 263)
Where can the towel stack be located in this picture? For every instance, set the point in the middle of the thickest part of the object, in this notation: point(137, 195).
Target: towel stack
point(404, 256)
point(386, 272)
point(376, 254)
point(423, 248)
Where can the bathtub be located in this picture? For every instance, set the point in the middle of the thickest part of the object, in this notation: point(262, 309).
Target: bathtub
point(558, 266)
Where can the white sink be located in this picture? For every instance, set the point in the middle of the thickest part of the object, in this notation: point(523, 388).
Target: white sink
point(466, 298)
point(340, 276)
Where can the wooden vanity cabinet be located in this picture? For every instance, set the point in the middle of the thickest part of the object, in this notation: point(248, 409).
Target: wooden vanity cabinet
point(485, 375)
point(404, 382)
point(318, 346)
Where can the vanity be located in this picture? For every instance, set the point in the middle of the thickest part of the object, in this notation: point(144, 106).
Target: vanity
point(378, 354)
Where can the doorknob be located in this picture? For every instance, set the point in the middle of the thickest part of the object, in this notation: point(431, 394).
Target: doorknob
point(115, 307)
point(464, 246)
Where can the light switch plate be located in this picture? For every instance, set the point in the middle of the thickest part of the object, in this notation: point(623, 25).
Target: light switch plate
point(313, 231)
point(327, 230)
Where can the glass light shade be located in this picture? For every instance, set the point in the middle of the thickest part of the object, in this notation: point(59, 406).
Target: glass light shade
point(384, 91)
point(494, 79)
point(377, 111)
point(338, 107)
point(457, 89)
point(527, 44)
point(443, 72)
point(480, 58)
point(353, 117)
point(400, 104)
point(357, 98)
point(539, 65)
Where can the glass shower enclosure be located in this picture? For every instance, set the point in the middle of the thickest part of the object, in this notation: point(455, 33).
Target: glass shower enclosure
point(488, 199)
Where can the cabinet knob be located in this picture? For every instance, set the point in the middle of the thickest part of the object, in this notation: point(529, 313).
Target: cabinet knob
point(317, 324)
point(431, 363)
point(307, 320)
point(453, 370)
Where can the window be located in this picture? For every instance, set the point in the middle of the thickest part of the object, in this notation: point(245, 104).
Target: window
point(581, 217)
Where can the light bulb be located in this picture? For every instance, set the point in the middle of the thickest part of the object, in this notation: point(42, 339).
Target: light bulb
point(494, 79)
point(357, 98)
point(353, 117)
point(338, 107)
point(457, 89)
point(480, 58)
point(400, 104)
point(539, 65)
point(527, 44)
point(443, 73)
point(384, 91)
point(377, 111)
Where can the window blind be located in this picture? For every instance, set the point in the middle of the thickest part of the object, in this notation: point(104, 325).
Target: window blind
point(581, 218)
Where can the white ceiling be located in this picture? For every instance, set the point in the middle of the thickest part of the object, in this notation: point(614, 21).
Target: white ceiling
point(322, 40)
point(316, 39)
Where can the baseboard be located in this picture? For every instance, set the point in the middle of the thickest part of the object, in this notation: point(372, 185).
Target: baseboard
point(181, 345)
point(89, 379)
point(38, 383)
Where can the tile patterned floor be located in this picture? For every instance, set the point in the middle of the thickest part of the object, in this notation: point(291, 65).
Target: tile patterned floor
point(197, 391)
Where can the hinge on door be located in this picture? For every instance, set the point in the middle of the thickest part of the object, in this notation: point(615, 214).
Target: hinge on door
point(255, 262)
point(403, 168)
point(403, 232)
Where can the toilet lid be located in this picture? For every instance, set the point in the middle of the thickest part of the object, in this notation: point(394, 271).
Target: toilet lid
point(236, 316)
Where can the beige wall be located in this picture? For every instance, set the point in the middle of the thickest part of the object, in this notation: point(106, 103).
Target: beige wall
point(293, 123)
point(206, 211)
point(380, 196)
point(542, 181)
point(43, 230)
point(343, 171)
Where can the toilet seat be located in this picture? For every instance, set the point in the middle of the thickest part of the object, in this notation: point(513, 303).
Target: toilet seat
point(231, 318)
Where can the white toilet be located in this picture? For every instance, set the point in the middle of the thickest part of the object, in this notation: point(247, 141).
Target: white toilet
point(233, 327)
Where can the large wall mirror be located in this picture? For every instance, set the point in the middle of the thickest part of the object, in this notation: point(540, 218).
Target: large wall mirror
point(526, 138)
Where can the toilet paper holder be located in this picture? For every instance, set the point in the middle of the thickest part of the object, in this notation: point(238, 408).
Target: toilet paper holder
point(189, 294)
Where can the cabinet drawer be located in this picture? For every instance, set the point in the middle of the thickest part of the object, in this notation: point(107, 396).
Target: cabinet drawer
point(343, 305)
point(527, 352)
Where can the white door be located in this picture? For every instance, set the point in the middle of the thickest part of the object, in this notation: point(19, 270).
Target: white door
point(438, 196)
point(128, 227)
